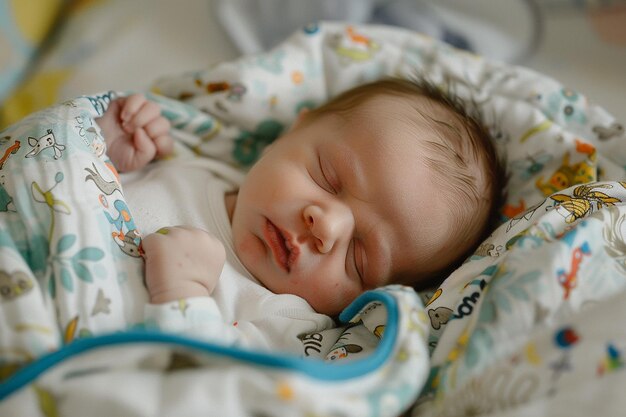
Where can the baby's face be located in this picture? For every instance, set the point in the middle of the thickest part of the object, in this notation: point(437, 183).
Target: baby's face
point(332, 210)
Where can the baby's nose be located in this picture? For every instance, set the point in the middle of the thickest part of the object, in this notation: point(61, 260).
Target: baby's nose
point(327, 225)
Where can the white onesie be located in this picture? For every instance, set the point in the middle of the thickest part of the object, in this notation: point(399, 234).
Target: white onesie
point(190, 191)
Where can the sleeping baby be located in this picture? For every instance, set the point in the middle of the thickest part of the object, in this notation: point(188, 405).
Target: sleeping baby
point(390, 182)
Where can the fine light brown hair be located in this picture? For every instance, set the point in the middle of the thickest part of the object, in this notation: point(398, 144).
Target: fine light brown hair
point(462, 153)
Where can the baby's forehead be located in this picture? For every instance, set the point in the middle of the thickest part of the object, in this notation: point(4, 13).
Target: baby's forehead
point(417, 107)
point(394, 122)
point(419, 120)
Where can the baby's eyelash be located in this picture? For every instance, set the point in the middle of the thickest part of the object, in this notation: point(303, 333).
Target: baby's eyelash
point(329, 185)
point(356, 263)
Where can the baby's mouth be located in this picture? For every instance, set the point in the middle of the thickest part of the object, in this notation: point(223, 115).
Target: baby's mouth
point(284, 251)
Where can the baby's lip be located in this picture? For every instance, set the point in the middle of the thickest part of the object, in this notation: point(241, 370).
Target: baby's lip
point(282, 246)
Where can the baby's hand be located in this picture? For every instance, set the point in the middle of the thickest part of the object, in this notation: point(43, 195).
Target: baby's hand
point(182, 262)
point(135, 132)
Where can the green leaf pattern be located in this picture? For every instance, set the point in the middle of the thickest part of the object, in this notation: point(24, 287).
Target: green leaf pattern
point(77, 265)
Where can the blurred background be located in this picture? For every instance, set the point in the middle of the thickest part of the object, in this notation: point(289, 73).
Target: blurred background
point(51, 50)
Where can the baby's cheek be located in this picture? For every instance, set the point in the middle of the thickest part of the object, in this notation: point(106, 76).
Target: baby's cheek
point(250, 251)
point(244, 247)
point(332, 298)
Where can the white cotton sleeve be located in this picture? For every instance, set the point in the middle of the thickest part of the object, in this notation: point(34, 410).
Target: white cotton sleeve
point(196, 317)
point(280, 326)
point(276, 328)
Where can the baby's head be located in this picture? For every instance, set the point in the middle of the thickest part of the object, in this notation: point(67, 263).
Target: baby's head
point(391, 182)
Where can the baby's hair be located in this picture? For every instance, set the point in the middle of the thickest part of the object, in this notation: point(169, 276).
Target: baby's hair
point(461, 143)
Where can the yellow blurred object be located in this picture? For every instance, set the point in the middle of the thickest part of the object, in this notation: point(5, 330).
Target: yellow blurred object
point(532, 355)
point(40, 91)
point(35, 18)
point(6, 53)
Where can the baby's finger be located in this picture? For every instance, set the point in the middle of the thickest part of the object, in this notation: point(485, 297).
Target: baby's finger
point(151, 243)
point(145, 149)
point(157, 127)
point(131, 105)
point(158, 130)
point(164, 145)
point(148, 112)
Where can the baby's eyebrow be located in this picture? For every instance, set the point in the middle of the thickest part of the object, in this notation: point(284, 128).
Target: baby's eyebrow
point(350, 171)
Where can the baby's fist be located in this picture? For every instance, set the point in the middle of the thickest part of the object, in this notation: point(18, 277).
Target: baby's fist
point(182, 262)
point(135, 132)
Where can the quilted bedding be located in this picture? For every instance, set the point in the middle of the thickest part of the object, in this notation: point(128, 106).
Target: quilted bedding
point(522, 326)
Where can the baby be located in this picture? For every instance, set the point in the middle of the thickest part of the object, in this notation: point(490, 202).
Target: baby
point(390, 182)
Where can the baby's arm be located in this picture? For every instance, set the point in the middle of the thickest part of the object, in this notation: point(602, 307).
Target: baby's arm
point(135, 132)
point(182, 262)
point(186, 262)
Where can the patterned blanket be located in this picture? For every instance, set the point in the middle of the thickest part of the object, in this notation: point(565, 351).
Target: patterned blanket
point(529, 322)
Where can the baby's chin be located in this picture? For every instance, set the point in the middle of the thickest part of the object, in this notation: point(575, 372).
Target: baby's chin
point(321, 306)
point(329, 309)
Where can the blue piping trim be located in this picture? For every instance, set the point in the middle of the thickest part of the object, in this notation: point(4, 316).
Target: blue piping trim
point(313, 368)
